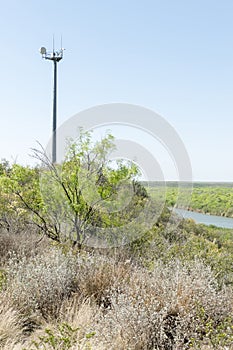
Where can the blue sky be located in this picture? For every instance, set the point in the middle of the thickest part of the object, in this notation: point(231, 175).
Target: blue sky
point(173, 56)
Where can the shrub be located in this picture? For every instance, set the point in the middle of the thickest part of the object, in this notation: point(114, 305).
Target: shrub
point(23, 244)
point(97, 301)
point(161, 309)
point(42, 282)
point(99, 275)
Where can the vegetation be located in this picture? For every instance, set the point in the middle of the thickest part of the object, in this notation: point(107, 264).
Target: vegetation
point(162, 292)
point(169, 288)
point(212, 198)
point(70, 201)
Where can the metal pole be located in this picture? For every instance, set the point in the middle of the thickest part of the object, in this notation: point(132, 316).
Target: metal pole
point(54, 56)
point(54, 136)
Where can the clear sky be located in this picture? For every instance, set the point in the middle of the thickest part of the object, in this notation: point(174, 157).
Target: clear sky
point(173, 56)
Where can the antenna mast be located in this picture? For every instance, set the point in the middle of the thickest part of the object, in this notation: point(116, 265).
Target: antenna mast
point(54, 56)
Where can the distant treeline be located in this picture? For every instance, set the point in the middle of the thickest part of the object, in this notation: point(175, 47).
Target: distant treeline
point(195, 184)
point(214, 198)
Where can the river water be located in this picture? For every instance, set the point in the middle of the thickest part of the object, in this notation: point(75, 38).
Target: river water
point(218, 221)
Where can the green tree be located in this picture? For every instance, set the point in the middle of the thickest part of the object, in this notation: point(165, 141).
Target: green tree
point(71, 200)
point(4, 167)
point(20, 197)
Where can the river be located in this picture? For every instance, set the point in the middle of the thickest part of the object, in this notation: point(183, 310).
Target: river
point(219, 221)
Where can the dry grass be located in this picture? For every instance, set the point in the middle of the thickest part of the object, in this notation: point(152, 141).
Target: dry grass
point(99, 302)
point(164, 309)
point(99, 275)
point(11, 323)
point(22, 244)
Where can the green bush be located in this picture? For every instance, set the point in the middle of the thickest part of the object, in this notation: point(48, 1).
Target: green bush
point(63, 337)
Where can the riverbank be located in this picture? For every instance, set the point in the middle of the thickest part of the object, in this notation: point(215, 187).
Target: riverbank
point(205, 198)
point(206, 219)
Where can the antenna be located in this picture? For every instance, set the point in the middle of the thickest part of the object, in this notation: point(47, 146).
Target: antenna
point(61, 41)
point(53, 43)
point(42, 50)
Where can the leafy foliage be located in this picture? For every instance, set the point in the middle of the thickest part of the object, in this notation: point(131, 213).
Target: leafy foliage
point(19, 191)
point(72, 200)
